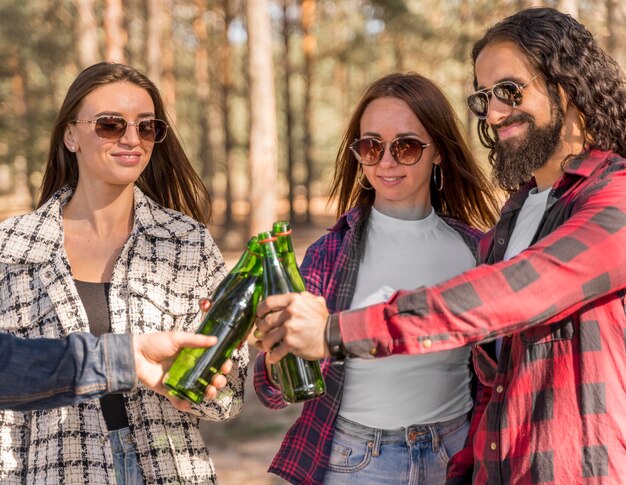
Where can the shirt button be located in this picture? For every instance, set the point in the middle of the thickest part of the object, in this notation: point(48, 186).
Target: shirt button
point(373, 351)
point(427, 343)
point(500, 240)
point(493, 446)
point(499, 389)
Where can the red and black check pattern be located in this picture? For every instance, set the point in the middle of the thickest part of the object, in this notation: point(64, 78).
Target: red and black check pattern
point(557, 409)
point(330, 268)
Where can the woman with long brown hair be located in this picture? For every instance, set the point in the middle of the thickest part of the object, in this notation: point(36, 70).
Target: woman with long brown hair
point(409, 196)
point(118, 244)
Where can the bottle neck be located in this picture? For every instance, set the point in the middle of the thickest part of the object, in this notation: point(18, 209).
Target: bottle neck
point(275, 280)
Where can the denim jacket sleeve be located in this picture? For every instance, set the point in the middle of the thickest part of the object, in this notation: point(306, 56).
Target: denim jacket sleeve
point(45, 373)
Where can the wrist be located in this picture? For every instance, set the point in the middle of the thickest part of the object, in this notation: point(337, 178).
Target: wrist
point(120, 363)
point(333, 338)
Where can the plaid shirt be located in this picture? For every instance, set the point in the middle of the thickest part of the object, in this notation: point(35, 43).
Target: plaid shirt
point(557, 411)
point(330, 268)
point(167, 263)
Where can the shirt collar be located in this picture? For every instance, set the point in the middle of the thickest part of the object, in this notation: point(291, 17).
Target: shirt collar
point(581, 165)
point(37, 236)
point(348, 219)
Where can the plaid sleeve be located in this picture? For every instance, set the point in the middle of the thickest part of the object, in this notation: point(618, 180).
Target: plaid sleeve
point(269, 396)
point(580, 261)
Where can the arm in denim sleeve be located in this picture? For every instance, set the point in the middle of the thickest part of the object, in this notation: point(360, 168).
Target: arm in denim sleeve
point(46, 373)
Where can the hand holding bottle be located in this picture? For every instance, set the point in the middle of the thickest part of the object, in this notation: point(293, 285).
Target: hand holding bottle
point(229, 318)
point(299, 379)
point(294, 321)
point(155, 352)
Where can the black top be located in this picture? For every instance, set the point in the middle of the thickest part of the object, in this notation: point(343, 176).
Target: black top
point(95, 298)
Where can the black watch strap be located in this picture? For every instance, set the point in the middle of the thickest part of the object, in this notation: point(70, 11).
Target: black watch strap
point(333, 338)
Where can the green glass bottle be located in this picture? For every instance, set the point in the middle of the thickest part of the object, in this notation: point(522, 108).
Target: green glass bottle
point(246, 262)
point(299, 379)
point(230, 318)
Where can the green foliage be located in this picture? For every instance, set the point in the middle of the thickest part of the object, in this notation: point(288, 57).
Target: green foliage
point(357, 41)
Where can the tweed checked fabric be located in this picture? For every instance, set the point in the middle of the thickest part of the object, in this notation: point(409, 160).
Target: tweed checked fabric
point(557, 409)
point(330, 268)
point(168, 262)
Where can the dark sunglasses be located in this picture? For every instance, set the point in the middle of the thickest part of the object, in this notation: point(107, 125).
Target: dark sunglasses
point(114, 127)
point(405, 150)
point(509, 92)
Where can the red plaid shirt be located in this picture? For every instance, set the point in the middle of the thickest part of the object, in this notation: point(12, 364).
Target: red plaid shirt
point(556, 412)
point(330, 268)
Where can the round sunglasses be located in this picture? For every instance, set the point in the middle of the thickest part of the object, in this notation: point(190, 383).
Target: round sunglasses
point(114, 128)
point(508, 92)
point(406, 150)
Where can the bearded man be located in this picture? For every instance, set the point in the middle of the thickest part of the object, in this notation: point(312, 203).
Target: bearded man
point(545, 314)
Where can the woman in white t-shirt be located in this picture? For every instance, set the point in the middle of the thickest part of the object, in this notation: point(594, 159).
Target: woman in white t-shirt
point(408, 192)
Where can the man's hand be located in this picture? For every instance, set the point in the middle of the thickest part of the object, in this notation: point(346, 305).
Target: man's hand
point(155, 353)
point(293, 322)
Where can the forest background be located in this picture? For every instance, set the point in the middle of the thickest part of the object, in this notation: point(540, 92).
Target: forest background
point(260, 92)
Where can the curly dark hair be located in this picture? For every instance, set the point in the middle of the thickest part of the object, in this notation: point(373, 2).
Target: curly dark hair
point(566, 53)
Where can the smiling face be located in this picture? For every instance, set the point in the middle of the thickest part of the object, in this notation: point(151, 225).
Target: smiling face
point(401, 191)
point(528, 134)
point(111, 162)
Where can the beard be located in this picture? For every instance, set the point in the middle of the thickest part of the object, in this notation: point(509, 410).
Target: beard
point(516, 160)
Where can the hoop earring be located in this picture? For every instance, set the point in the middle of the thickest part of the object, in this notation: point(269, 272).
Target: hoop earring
point(358, 181)
point(438, 179)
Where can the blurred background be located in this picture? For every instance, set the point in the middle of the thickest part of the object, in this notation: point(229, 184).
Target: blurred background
point(259, 92)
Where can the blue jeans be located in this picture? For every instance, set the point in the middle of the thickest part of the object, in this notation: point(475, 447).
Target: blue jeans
point(417, 455)
point(125, 460)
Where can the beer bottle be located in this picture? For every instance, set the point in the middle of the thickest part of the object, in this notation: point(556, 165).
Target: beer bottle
point(230, 318)
point(299, 379)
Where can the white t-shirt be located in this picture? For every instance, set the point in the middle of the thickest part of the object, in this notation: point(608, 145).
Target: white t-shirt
point(525, 228)
point(401, 390)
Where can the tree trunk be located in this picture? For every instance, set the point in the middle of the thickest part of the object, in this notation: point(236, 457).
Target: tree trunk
point(309, 43)
point(203, 88)
point(569, 6)
point(153, 40)
point(86, 34)
point(263, 131)
point(529, 3)
point(114, 32)
point(227, 88)
point(168, 79)
point(288, 111)
point(616, 25)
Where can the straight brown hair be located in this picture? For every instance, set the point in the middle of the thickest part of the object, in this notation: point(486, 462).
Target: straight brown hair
point(169, 179)
point(467, 194)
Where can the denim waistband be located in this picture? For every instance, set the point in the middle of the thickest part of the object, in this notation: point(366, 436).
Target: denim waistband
point(413, 433)
point(121, 440)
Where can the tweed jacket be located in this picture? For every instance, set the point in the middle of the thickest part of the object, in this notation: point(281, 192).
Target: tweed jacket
point(168, 262)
